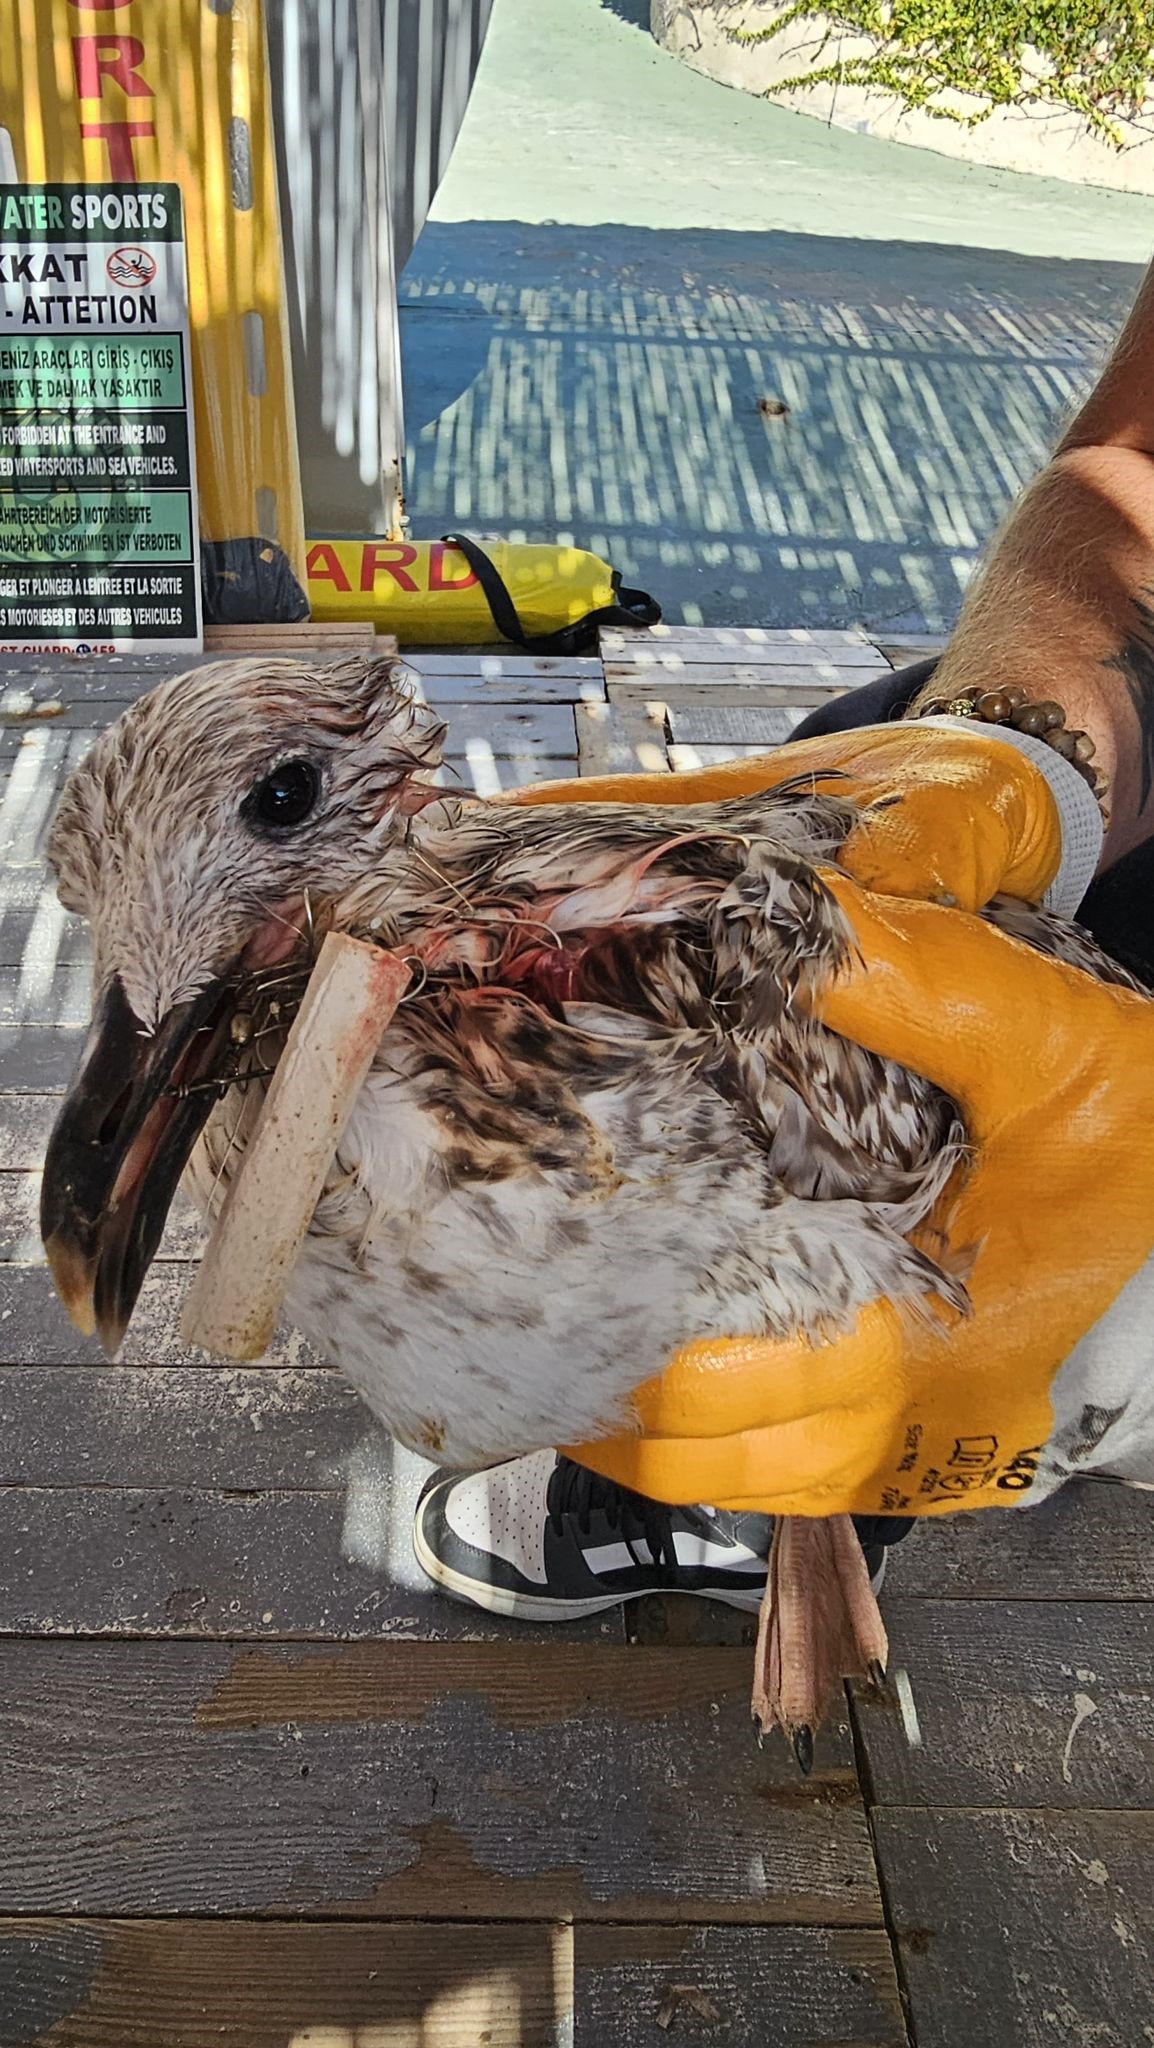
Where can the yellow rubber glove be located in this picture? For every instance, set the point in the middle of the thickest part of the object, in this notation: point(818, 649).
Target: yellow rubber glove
point(1055, 1077)
point(953, 813)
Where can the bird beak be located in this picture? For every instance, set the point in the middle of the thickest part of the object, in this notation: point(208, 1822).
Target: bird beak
point(119, 1146)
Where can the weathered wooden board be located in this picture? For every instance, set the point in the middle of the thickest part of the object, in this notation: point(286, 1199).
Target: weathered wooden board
point(616, 741)
point(491, 664)
point(1021, 1703)
point(901, 649)
point(184, 1234)
point(732, 725)
point(308, 1984)
point(37, 939)
point(25, 1121)
point(452, 679)
point(752, 645)
point(487, 774)
point(33, 770)
point(729, 1987)
point(310, 638)
point(442, 1984)
point(743, 696)
point(824, 681)
point(1092, 1540)
point(1023, 1930)
point(33, 894)
point(528, 721)
point(112, 680)
point(510, 731)
point(247, 1428)
point(81, 709)
point(478, 1780)
point(37, 996)
point(34, 1329)
point(35, 1057)
point(121, 677)
point(683, 1621)
point(197, 1562)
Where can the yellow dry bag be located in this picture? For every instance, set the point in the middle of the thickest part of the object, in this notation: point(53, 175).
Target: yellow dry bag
point(548, 600)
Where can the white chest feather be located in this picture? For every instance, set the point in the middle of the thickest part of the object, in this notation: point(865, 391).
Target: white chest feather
point(483, 1318)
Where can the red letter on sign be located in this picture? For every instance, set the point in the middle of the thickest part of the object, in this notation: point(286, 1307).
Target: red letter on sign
point(393, 558)
point(99, 57)
point(438, 580)
point(119, 137)
point(323, 565)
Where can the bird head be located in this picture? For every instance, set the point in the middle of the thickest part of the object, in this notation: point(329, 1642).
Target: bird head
point(195, 839)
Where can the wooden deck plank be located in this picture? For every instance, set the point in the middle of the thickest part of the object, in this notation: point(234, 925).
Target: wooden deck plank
point(620, 741)
point(612, 635)
point(511, 730)
point(184, 1232)
point(35, 1058)
point(447, 694)
point(451, 679)
point(38, 937)
point(126, 675)
point(745, 1988)
point(308, 1984)
point(733, 725)
point(1021, 1703)
point(82, 708)
point(25, 1121)
point(64, 998)
point(830, 678)
point(232, 1427)
point(753, 645)
point(440, 1984)
point(464, 1780)
point(712, 685)
point(487, 774)
point(34, 1329)
point(518, 725)
point(140, 1561)
point(502, 664)
point(900, 649)
point(743, 696)
point(1090, 1542)
point(1023, 1930)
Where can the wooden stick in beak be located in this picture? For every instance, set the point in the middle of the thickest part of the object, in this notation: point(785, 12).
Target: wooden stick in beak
point(234, 1300)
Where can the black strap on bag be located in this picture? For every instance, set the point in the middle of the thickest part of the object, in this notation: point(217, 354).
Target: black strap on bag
point(633, 608)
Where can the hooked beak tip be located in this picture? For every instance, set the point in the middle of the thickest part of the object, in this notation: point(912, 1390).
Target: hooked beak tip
point(74, 1274)
point(120, 1142)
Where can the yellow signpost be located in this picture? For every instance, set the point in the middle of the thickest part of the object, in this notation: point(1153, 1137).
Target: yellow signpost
point(127, 91)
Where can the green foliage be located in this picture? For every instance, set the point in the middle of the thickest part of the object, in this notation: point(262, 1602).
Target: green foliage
point(1094, 57)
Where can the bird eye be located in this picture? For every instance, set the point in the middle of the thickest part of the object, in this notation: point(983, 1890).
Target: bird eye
point(286, 796)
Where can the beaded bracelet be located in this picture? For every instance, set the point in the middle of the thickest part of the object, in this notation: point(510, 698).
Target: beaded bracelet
point(1043, 720)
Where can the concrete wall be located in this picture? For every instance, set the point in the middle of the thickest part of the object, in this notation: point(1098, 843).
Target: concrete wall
point(1015, 139)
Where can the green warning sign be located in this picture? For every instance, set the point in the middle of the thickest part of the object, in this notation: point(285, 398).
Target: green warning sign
point(97, 453)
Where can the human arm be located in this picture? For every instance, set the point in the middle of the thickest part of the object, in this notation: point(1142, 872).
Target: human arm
point(1064, 604)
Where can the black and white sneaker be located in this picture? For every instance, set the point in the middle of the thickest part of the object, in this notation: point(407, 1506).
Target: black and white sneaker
point(543, 1539)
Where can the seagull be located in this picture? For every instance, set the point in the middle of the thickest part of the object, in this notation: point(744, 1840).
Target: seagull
point(604, 1122)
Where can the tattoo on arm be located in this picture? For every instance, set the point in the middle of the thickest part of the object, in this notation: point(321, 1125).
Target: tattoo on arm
point(1134, 662)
